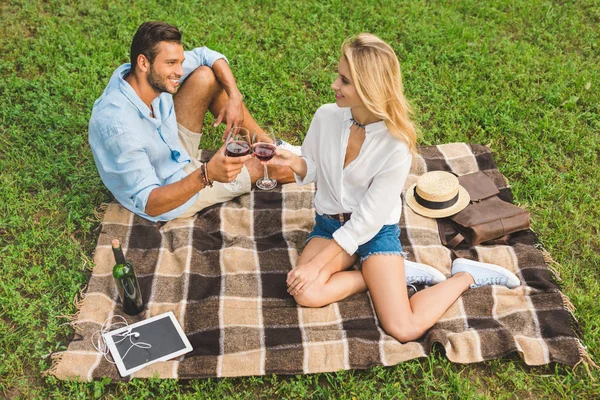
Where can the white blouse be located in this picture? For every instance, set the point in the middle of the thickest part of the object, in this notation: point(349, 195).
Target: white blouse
point(369, 187)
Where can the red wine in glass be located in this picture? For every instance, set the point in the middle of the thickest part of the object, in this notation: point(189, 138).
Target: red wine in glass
point(238, 148)
point(264, 151)
point(238, 145)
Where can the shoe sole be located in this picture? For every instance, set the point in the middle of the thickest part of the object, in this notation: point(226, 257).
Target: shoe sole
point(437, 275)
point(513, 280)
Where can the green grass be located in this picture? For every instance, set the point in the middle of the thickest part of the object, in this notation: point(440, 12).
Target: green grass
point(521, 76)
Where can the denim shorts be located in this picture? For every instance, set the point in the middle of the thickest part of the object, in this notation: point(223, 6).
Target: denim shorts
point(386, 241)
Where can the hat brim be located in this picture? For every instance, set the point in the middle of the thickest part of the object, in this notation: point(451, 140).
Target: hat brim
point(463, 201)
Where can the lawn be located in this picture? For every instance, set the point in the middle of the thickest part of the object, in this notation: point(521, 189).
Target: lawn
point(520, 76)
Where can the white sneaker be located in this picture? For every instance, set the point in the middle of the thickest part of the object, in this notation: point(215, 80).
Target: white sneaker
point(421, 274)
point(282, 144)
point(485, 274)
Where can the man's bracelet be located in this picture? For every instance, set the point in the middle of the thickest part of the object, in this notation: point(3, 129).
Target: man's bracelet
point(204, 173)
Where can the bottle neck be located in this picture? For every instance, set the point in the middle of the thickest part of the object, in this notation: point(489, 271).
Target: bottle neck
point(119, 257)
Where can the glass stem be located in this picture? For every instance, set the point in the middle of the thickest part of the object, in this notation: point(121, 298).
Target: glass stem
point(266, 173)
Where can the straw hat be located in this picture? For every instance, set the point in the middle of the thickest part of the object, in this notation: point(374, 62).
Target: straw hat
point(437, 194)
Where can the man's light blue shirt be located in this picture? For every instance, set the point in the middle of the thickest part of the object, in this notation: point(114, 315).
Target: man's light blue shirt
point(134, 152)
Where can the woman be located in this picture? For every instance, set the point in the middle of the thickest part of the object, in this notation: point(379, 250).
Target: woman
point(359, 151)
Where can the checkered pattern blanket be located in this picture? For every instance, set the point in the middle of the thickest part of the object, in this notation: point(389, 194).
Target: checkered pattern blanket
point(223, 273)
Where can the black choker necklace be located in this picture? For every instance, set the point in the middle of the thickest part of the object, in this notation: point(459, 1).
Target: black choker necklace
point(356, 123)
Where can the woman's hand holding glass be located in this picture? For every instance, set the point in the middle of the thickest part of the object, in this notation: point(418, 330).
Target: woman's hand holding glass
point(286, 158)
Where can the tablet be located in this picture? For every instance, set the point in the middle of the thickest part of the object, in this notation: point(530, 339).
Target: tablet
point(135, 346)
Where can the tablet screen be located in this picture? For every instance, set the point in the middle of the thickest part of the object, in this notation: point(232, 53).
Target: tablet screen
point(162, 335)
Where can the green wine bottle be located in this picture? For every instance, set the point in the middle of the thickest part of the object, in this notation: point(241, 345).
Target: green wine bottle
point(126, 281)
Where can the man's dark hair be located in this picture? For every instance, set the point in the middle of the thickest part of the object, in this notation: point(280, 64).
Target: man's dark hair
point(148, 36)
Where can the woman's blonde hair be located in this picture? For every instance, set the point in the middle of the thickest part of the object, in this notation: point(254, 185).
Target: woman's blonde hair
point(375, 71)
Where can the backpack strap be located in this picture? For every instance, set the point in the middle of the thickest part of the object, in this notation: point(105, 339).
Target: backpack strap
point(446, 229)
point(455, 241)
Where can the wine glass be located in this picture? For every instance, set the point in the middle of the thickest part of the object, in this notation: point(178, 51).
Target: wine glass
point(264, 149)
point(237, 145)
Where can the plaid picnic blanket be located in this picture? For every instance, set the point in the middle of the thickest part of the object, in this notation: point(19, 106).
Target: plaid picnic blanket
point(222, 273)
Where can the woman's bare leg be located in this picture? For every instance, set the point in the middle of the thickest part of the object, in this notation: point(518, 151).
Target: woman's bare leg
point(403, 318)
point(334, 283)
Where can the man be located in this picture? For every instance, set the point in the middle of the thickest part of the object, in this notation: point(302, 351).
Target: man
point(146, 127)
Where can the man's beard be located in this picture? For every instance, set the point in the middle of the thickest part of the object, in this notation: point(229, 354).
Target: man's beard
point(159, 86)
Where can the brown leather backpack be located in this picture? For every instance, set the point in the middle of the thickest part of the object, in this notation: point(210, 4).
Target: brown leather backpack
point(487, 218)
